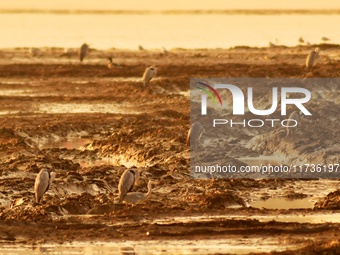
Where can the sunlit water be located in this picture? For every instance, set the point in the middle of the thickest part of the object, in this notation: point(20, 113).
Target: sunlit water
point(154, 30)
point(235, 246)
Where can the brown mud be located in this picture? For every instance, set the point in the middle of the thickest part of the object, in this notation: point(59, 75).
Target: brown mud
point(89, 123)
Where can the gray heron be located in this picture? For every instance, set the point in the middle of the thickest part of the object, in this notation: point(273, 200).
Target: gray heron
point(42, 183)
point(149, 73)
point(195, 132)
point(83, 51)
point(293, 117)
point(138, 197)
point(312, 56)
point(165, 51)
point(128, 179)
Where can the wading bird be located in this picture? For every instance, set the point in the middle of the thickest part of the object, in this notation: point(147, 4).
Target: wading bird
point(312, 56)
point(83, 51)
point(68, 52)
point(141, 48)
point(128, 179)
point(325, 39)
point(301, 40)
point(138, 197)
point(195, 132)
point(165, 51)
point(111, 65)
point(293, 116)
point(149, 73)
point(34, 52)
point(42, 183)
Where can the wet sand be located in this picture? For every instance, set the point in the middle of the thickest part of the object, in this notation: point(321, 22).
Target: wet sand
point(89, 123)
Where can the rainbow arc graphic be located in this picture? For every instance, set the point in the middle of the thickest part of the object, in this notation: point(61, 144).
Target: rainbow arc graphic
point(211, 92)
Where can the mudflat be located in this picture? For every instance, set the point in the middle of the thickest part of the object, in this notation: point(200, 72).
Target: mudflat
point(89, 123)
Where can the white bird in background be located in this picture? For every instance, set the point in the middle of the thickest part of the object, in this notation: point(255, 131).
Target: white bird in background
point(128, 179)
point(68, 52)
point(42, 183)
point(195, 133)
point(293, 116)
point(312, 56)
point(83, 51)
point(149, 73)
point(138, 197)
point(34, 52)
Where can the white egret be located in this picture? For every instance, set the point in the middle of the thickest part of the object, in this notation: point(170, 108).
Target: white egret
point(34, 52)
point(149, 73)
point(312, 56)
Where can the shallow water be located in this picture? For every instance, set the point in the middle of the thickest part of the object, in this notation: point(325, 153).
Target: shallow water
point(235, 246)
point(67, 142)
point(56, 108)
point(283, 203)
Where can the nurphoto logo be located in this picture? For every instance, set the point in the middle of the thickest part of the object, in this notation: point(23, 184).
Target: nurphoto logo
point(266, 116)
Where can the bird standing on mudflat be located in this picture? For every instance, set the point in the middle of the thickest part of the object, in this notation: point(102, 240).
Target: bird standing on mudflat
point(111, 65)
point(195, 132)
point(149, 73)
point(34, 52)
point(42, 183)
point(138, 197)
point(293, 116)
point(83, 51)
point(128, 179)
point(312, 56)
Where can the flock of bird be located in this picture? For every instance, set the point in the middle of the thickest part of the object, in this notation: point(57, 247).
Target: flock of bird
point(127, 181)
point(130, 177)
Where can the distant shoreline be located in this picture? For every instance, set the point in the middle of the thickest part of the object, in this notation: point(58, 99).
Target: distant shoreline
point(181, 12)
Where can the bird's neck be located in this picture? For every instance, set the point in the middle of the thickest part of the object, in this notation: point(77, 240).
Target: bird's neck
point(149, 191)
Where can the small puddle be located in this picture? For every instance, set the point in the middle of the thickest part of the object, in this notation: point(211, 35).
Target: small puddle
point(293, 217)
point(208, 246)
point(283, 203)
point(15, 92)
point(70, 142)
point(9, 112)
point(57, 108)
point(113, 160)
